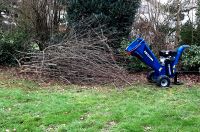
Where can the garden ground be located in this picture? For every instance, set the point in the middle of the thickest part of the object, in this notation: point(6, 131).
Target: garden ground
point(27, 106)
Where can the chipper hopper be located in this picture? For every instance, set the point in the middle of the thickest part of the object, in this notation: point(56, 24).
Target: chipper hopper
point(164, 69)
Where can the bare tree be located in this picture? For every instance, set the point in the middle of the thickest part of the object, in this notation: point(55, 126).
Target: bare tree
point(42, 17)
point(160, 22)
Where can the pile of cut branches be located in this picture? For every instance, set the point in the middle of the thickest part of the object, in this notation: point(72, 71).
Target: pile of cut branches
point(83, 57)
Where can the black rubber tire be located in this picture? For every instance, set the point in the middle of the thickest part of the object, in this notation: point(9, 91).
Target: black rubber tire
point(150, 77)
point(163, 81)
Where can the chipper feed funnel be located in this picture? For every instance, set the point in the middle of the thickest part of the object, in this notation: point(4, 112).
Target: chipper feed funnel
point(141, 50)
point(162, 70)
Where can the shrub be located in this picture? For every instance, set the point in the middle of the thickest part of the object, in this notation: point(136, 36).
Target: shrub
point(190, 35)
point(191, 59)
point(11, 44)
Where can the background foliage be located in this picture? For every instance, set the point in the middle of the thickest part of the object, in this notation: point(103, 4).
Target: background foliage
point(191, 59)
point(190, 35)
point(12, 44)
point(31, 25)
point(117, 16)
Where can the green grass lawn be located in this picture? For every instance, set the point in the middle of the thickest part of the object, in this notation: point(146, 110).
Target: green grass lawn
point(25, 106)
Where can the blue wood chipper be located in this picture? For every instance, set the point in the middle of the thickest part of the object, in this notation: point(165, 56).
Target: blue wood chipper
point(164, 69)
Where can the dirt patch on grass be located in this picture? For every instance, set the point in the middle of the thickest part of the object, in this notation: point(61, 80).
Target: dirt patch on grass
point(134, 78)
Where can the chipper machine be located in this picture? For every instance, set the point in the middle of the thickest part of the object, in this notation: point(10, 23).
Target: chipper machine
point(164, 69)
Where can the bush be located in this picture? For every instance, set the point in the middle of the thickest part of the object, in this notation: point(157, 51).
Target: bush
point(11, 44)
point(116, 15)
point(191, 59)
point(190, 35)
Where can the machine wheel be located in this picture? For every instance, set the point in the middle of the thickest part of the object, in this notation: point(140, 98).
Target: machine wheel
point(150, 77)
point(163, 81)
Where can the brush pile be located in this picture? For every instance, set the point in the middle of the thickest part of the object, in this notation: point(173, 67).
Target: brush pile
point(83, 57)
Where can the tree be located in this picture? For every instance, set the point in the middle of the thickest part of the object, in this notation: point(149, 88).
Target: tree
point(7, 14)
point(198, 12)
point(116, 15)
point(191, 29)
point(160, 23)
point(41, 18)
point(197, 37)
point(190, 35)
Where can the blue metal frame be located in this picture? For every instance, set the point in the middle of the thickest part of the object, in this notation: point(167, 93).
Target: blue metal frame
point(141, 50)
